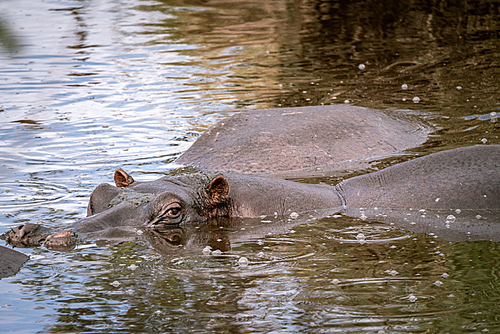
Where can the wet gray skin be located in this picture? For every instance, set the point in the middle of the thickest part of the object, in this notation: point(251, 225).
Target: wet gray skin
point(11, 261)
point(275, 142)
point(463, 179)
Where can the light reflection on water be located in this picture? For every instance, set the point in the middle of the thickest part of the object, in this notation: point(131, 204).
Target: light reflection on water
point(97, 86)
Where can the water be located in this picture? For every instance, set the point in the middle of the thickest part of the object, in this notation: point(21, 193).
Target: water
point(101, 85)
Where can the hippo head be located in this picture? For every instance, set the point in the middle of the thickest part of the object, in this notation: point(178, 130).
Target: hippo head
point(170, 200)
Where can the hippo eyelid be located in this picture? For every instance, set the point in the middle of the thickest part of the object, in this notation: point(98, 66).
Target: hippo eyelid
point(172, 211)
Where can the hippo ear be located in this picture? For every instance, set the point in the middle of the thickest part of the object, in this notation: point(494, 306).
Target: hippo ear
point(122, 179)
point(218, 189)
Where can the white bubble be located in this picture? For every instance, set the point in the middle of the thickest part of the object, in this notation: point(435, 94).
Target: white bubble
point(416, 99)
point(139, 232)
point(243, 261)
point(451, 218)
point(493, 114)
point(392, 272)
point(361, 66)
point(363, 216)
point(335, 281)
point(478, 217)
point(459, 87)
point(346, 101)
point(115, 284)
point(207, 250)
point(261, 254)
point(484, 140)
point(437, 199)
point(438, 283)
point(404, 86)
point(404, 100)
point(217, 252)
point(444, 275)
point(294, 215)
point(412, 298)
point(132, 267)
point(457, 211)
point(361, 236)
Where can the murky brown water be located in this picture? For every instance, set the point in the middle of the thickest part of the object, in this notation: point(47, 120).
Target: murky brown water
point(98, 85)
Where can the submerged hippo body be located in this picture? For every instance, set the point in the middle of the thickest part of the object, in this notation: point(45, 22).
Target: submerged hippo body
point(274, 141)
point(463, 180)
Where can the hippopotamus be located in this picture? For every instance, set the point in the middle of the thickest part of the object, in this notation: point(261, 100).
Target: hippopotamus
point(418, 194)
point(11, 261)
point(304, 141)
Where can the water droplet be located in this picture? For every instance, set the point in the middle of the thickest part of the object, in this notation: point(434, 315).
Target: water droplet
point(115, 284)
point(361, 66)
point(243, 261)
point(493, 114)
point(459, 87)
point(412, 298)
point(392, 272)
point(294, 215)
point(335, 281)
point(444, 275)
point(361, 238)
point(416, 99)
point(404, 86)
point(457, 211)
point(484, 140)
point(450, 219)
point(438, 283)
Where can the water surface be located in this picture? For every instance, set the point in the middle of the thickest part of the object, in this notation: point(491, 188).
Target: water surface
point(99, 85)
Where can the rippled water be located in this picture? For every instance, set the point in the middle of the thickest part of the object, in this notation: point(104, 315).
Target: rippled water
point(99, 85)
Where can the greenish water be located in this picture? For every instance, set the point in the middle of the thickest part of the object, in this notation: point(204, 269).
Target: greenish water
point(99, 85)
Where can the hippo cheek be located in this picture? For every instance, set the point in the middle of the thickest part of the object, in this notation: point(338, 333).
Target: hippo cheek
point(124, 214)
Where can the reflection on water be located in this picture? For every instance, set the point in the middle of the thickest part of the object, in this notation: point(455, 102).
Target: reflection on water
point(101, 85)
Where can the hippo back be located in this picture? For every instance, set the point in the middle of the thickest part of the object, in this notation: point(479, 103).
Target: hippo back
point(277, 140)
point(466, 178)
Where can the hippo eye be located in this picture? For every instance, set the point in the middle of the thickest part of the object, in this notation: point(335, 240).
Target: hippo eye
point(174, 212)
point(165, 211)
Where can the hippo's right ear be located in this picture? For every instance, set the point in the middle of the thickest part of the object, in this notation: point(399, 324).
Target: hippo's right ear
point(218, 189)
point(122, 179)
